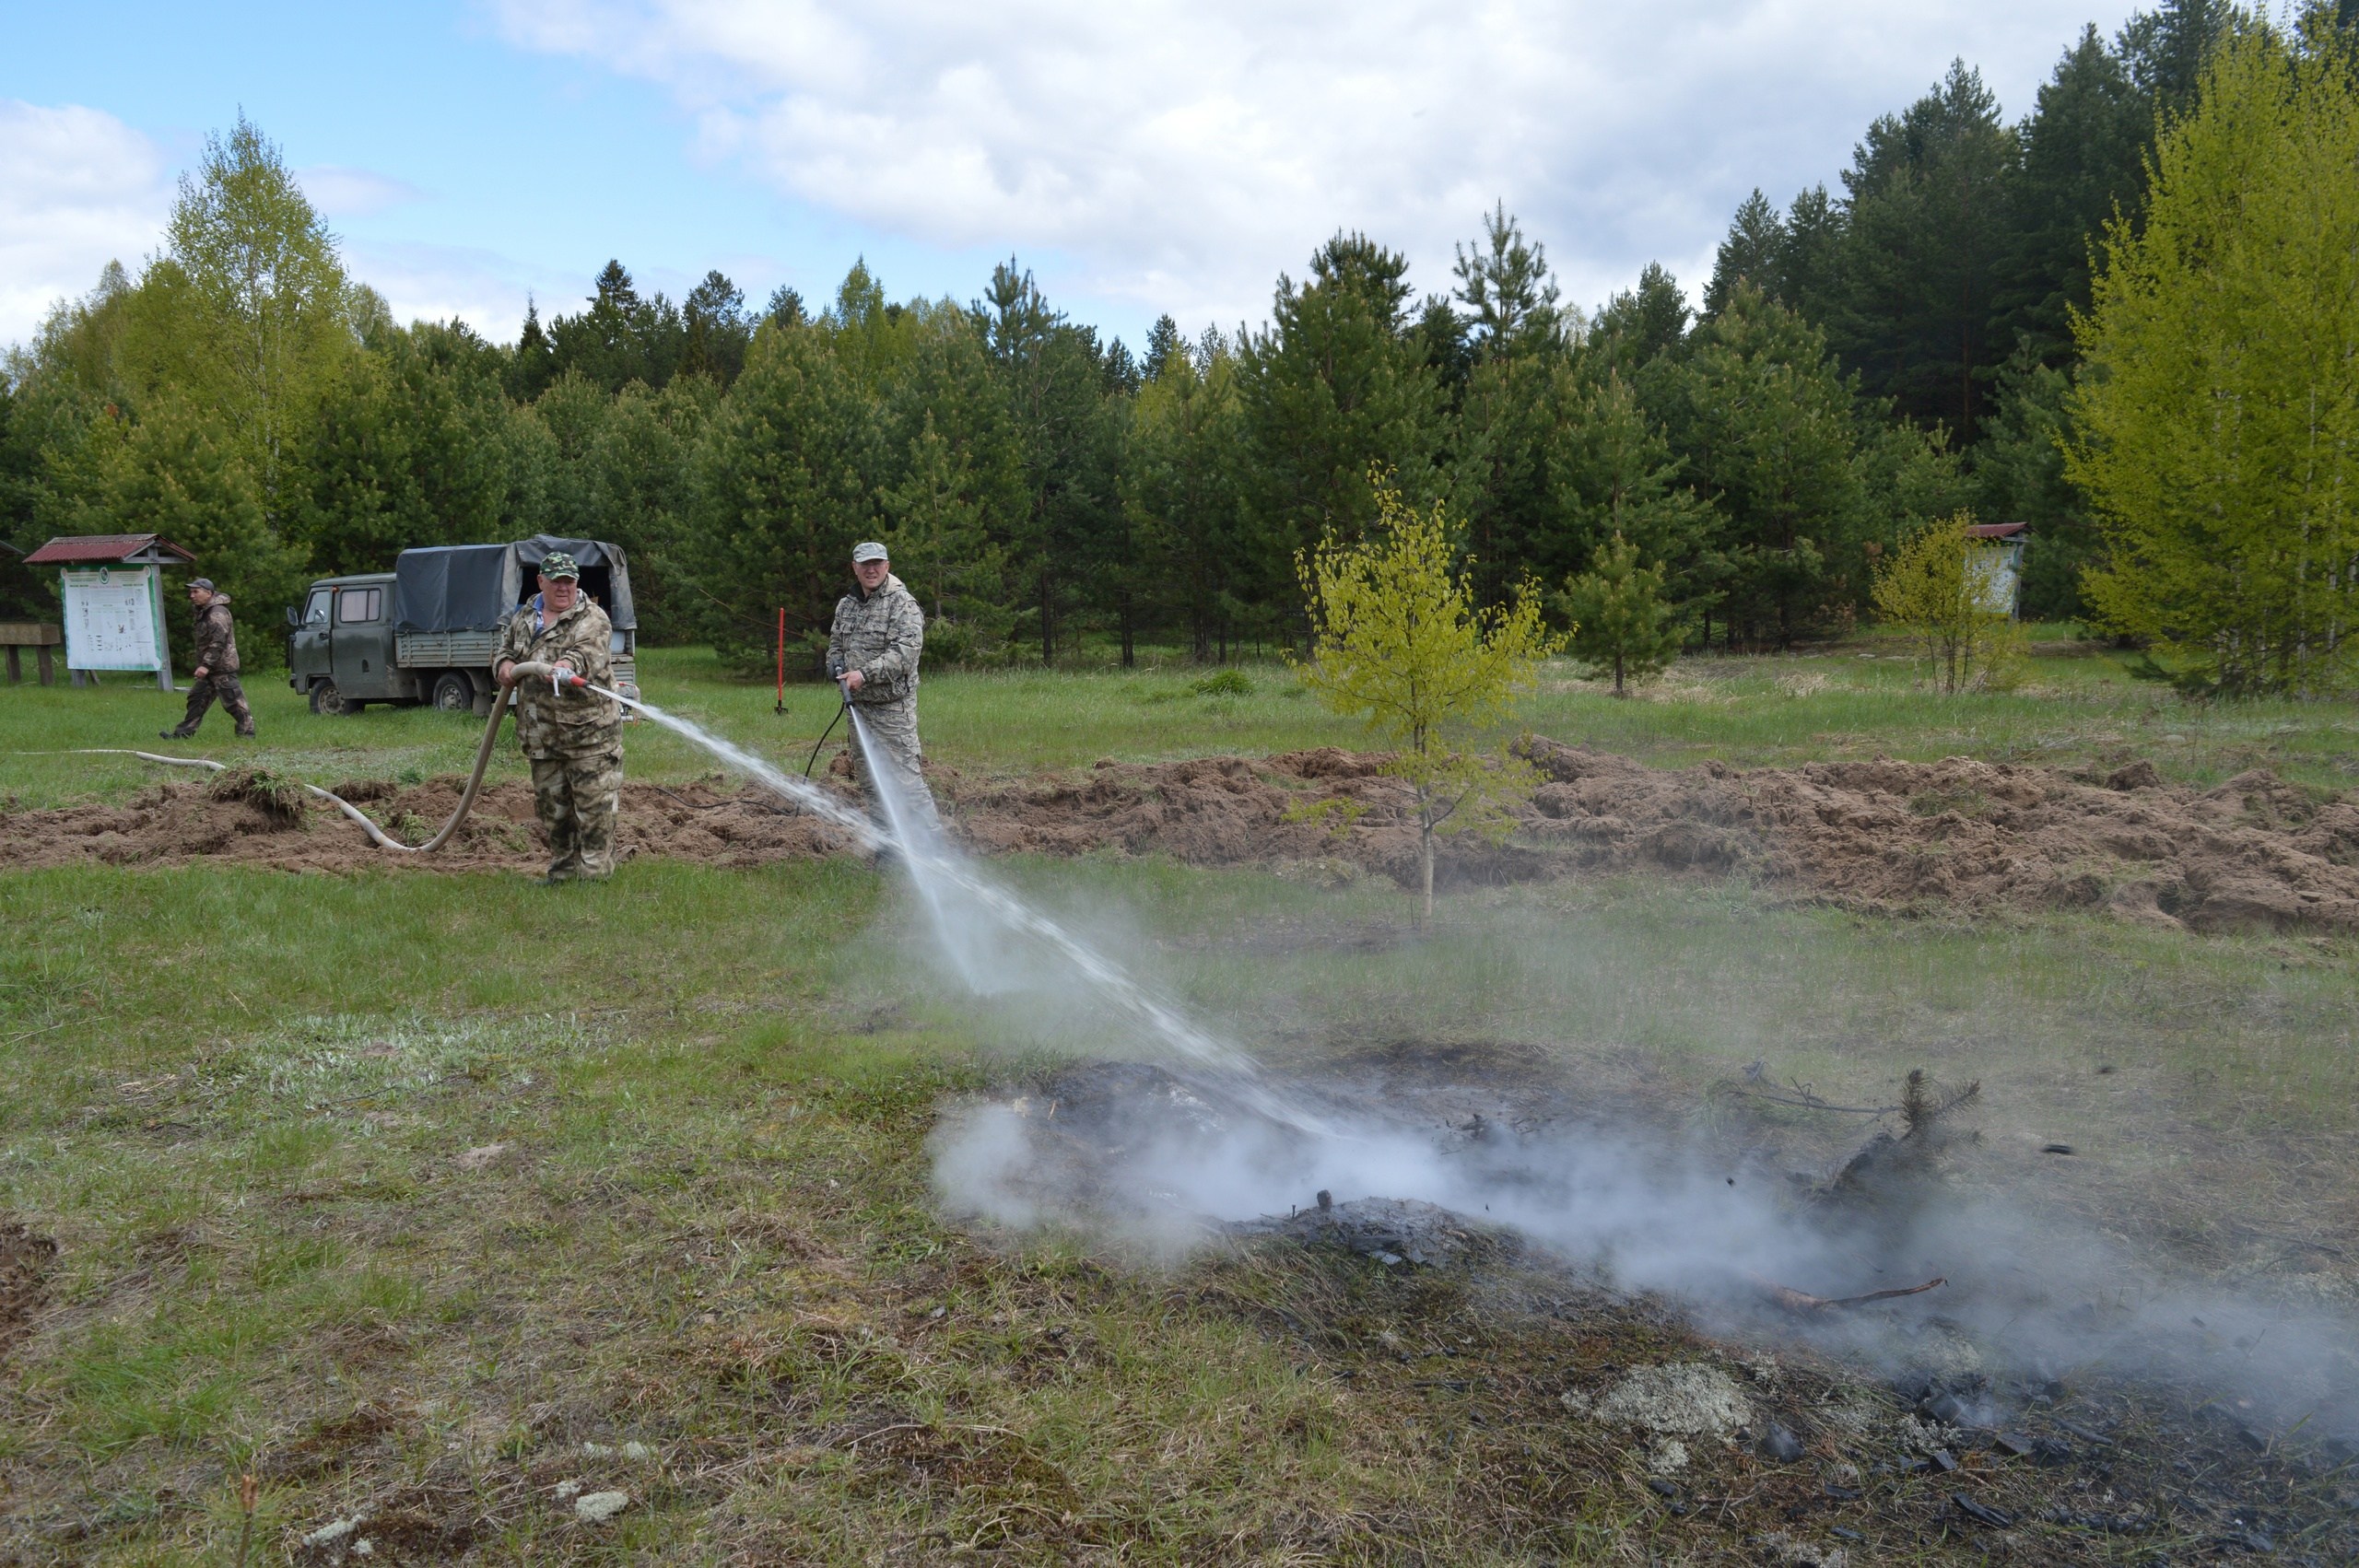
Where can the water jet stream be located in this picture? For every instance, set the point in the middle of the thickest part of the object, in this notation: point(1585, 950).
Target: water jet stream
point(939, 872)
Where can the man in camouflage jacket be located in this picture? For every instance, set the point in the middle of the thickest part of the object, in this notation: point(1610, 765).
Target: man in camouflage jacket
point(217, 663)
point(573, 738)
point(873, 650)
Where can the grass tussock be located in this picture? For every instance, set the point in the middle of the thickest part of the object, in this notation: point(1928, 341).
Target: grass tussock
point(281, 799)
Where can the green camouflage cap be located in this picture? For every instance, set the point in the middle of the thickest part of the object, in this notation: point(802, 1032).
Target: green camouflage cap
point(556, 563)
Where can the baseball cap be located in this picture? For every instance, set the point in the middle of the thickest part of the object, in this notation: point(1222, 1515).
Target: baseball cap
point(556, 563)
point(869, 550)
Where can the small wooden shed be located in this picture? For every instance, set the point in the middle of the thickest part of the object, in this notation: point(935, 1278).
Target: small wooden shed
point(1995, 559)
point(114, 600)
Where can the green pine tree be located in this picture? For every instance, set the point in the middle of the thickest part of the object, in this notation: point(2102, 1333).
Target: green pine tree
point(1336, 388)
point(1765, 424)
point(1621, 621)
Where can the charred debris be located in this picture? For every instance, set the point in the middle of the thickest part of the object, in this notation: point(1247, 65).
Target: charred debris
point(1830, 1430)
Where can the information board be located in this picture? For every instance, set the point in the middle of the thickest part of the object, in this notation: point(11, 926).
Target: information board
point(110, 619)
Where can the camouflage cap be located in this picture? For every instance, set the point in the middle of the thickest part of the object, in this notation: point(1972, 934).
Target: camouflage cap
point(556, 563)
point(870, 551)
point(203, 582)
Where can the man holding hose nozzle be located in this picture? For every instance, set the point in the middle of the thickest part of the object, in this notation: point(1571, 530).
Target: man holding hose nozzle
point(572, 737)
point(872, 653)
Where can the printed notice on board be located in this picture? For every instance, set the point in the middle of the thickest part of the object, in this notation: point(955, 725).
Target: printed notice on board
point(110, 619)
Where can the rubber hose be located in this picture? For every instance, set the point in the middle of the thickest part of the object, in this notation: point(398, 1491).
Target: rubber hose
point(466, 797)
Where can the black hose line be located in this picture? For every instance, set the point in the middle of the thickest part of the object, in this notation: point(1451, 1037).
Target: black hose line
point(823, 737)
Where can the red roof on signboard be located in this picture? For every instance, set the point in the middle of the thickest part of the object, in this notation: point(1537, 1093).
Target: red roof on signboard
point(1995, 530)
point(101, 547)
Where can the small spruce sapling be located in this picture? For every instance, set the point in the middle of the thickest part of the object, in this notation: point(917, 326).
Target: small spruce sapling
point(1398, 642)
point(1621, 621)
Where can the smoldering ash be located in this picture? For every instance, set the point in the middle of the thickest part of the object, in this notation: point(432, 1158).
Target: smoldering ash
point(1178, 1158)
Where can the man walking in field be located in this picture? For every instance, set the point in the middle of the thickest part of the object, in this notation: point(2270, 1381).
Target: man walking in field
point(873, 650)
point(216, 664)
point(572, 737)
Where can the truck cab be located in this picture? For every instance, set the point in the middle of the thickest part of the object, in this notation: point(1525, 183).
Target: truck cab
point(425, 632)
point(342, 648)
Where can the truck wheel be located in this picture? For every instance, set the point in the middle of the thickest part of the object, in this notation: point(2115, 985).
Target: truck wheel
point(330, 703)
point(453, 693)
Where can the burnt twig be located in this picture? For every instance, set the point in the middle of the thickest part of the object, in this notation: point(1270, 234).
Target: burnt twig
point(1802, 1301)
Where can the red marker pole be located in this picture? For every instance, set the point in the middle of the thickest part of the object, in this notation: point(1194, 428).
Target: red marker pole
point(782, 659)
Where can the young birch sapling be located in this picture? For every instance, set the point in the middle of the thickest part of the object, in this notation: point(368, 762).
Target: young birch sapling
point(1398, 642)
point(1930, 587)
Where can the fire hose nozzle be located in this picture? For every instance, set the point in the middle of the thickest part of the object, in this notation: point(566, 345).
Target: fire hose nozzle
point(538, 670)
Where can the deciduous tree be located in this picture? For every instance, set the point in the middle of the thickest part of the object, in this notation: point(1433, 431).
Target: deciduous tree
point(1398, 641)
point(2216, 426)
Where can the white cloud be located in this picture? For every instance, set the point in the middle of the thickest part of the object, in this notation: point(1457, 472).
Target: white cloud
point(437, 283)
point(1180, 153)
point(338, 191)
point(78, 188)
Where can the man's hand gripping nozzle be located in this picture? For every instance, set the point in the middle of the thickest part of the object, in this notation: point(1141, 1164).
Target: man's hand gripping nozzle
point(558, 677)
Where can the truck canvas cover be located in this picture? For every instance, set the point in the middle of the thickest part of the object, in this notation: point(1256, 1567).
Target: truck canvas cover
point(474, 588)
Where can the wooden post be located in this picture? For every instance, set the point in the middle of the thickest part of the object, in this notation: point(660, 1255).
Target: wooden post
point(39, 636)
point(163, 642)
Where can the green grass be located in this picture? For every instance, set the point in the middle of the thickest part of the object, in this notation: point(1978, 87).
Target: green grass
point(398, 1189)
point(255, 1111)
point(2077, 708)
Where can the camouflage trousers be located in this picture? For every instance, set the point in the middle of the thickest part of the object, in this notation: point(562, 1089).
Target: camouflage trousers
point(892, 728)
point(575, 798)
point(201, 694)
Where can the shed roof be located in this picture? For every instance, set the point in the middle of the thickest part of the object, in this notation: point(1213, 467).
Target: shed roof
point(107, 549)
point(1996, 529)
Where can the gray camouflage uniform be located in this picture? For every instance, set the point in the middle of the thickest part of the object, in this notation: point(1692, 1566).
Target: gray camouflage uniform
point(881, 634)
point(573, 738)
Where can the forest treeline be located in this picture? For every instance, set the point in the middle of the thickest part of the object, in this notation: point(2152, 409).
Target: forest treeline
point(1875, 353)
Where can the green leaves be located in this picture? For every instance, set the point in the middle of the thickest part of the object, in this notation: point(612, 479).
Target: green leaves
point(1933, 586)
point(2218, 415)
point(1397, 641)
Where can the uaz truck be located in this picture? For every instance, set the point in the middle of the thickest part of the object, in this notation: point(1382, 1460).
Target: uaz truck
point(425, 631)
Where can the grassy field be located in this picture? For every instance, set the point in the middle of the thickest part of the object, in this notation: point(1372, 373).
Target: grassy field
point(2076, 708)
point(438, 1196)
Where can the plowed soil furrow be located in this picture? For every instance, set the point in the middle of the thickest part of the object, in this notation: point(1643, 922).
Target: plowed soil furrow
point(1892, 836)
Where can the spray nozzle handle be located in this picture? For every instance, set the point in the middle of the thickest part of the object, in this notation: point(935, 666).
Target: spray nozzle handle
point(556, 676)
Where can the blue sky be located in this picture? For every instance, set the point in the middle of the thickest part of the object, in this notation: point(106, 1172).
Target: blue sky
point(1142, 157)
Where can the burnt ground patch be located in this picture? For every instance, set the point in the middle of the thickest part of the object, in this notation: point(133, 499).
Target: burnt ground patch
point(1780, 1429)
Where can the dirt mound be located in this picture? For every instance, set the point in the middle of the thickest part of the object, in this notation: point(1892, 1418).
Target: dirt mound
point(175, 822)
point(1877, 835)
point(25, 1260)
point(1894, 837)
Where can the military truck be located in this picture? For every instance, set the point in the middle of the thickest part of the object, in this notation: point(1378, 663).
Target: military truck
point(425, 631)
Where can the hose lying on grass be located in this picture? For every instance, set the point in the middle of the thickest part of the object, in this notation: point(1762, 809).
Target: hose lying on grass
point(376, 834)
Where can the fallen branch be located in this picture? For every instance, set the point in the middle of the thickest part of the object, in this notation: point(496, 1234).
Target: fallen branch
point(1802, 1301)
